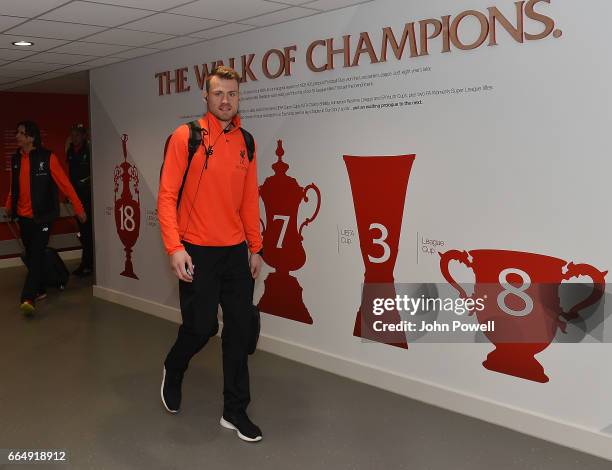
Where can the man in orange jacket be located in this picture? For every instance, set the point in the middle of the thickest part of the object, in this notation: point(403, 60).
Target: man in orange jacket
point(36, 175)
point(210, 230)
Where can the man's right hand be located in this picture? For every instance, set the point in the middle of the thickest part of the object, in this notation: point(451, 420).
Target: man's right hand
point(180, 262)
point(7, 211)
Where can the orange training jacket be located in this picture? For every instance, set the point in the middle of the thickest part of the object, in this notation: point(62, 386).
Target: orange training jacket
point(219, 204)
point(24, 202)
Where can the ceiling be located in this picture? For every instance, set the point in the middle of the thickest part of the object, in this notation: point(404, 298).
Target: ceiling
point(72, 36)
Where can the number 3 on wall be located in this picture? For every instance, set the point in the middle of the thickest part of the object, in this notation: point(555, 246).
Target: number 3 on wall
point(384, 233)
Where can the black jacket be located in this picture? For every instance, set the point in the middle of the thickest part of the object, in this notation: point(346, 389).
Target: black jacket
point(79, 169)
point(43, 190)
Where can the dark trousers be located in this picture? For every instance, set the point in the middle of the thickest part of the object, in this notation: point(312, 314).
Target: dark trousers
point(86, 232)
point(222, 276)
point(35, 239)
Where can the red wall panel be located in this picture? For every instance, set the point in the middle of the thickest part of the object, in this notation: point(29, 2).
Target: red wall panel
point(55, 114)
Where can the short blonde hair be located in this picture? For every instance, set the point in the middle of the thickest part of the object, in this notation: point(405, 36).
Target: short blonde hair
point(224, 72)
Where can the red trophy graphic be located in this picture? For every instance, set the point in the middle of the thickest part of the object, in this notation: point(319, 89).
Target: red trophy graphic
point(127, 209)
point(520, 292)
point(379, 187)
point(282, 241)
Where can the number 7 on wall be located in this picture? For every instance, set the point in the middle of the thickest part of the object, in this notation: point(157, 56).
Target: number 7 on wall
point(285, 219)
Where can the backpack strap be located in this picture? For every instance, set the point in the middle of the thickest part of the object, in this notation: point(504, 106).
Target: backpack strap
point(250, 143)
point(195, 140)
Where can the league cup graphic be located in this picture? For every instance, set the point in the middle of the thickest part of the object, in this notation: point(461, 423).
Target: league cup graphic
point(282, 241)
point(379, 187)
point(127, 209)
point(521, 295)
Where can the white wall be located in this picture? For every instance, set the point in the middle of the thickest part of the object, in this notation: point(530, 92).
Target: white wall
point(521, 167)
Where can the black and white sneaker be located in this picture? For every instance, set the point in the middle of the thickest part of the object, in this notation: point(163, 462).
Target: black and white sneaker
point(240, 422)
point(172, 382)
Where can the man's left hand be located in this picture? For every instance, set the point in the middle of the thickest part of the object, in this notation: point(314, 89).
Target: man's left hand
point(82, 218)
point(255, 263)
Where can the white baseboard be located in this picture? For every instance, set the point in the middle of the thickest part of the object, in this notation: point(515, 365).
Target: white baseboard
point(533, 424)
point(138, 303)
point(16, 261)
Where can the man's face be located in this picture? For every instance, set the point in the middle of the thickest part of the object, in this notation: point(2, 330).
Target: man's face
point(77, 138)
point(222, 98)
point(21, 137)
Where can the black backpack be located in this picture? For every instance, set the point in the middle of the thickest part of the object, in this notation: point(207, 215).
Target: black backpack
point(195, 140)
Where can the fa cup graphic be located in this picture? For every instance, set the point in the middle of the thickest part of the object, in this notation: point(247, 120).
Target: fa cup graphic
point(282, 241)
point(521, 295)
point(379, 186)
point(127, 209)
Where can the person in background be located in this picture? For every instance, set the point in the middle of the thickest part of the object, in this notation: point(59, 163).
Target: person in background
point(78, 156)
point(36, 175)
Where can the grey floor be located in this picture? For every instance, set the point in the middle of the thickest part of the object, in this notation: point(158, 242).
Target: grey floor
point(84, 375)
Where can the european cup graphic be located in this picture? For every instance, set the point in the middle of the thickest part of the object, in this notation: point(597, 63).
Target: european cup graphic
point(379, 186)
point(282, 241)
point(521, 296)
point(127, 208)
